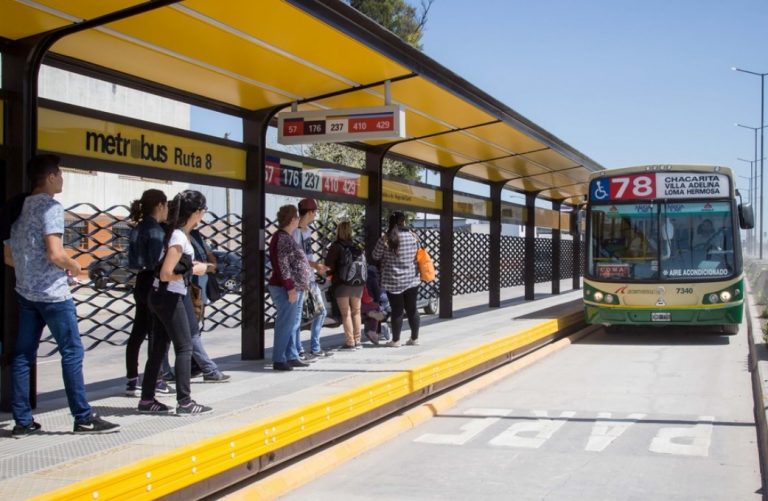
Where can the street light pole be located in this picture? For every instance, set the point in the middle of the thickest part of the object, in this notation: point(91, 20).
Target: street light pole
point(762, 145)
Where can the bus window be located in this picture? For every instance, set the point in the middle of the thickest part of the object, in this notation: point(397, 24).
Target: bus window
point(624, 242)
point(702, 245)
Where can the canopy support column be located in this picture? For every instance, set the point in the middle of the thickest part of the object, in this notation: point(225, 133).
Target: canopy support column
point(494, 255)
point(556, 205)
point(529, 273)
point(446, 242)
point(374, 161)
point(254, 217)
point(577, 254)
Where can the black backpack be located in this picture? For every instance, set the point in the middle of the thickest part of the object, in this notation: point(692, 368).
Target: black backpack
point(353, 270)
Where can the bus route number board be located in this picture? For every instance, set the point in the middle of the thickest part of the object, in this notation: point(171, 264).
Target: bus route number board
point(349, 124)
point(318, 180)
point(656, 185)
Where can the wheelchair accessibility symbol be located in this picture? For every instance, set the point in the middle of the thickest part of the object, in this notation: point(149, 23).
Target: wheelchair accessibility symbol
point(598, 190)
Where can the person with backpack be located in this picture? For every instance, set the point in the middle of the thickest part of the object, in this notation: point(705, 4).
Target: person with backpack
point(396, 251)
point(145, 245)
point(346, 261)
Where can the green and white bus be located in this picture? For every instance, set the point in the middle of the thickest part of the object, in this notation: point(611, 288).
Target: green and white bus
point(664, 248)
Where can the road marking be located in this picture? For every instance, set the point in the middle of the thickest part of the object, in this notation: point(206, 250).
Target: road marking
point(668, 440)
point(544, 428)
point(604, 432)
point(469, 430)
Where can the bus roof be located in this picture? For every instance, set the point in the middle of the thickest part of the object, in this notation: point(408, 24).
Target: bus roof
point(662, 168)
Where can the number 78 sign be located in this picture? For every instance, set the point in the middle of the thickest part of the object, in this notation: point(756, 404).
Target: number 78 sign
point(638, 186)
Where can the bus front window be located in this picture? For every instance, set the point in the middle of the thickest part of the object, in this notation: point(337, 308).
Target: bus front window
point(702, 242)
point(624, 243)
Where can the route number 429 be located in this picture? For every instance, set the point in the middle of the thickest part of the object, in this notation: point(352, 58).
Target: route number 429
point(633, 187)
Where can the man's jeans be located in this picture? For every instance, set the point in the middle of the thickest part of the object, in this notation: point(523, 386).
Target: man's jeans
point(287, 320)
point(61, 319)
point(317, 324)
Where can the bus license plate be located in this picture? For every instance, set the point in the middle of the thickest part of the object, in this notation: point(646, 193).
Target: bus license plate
point(661, 317)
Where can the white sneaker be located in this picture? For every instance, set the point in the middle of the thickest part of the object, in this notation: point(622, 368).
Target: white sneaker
point(393, 344)
point(412, 342)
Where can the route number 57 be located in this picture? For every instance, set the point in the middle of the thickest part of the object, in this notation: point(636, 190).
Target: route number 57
point(633, 187)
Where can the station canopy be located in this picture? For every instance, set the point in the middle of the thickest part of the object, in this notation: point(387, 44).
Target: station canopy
point(253, 55)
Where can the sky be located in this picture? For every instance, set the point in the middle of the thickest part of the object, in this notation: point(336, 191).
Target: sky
point(624, 82)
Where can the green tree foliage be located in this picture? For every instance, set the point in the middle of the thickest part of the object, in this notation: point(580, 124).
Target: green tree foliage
point(407, 22)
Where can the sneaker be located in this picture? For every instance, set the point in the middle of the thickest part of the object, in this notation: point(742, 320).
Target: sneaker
point(358, 346)
point(96, 425)
point(153, 407)
point(385, 333)
point(164, 388)
point(346, 347)
point(297, 363)
point(393, 344)
point(372, 337)
point(322, 354)
point(192, 408)
point(412, 342)
point(132, 388)
point(377, 315)
point(196, 373)
point(307, 357)
point(282, 366)
point(216, 377)
point(20, 431)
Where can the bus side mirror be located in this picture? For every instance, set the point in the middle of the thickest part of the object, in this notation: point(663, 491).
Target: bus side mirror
point(746, 216)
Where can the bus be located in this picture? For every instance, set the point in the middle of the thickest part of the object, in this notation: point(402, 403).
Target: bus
point(663, 247)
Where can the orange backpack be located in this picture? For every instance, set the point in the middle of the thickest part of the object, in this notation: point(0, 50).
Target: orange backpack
point(425, 264)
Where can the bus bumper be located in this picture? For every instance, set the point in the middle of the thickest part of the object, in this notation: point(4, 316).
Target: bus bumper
point(660, 316)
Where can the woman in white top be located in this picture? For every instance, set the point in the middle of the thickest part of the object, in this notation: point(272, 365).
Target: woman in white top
point(171, 306)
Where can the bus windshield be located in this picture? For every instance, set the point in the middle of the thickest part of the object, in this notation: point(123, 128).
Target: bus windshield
point(661, 241)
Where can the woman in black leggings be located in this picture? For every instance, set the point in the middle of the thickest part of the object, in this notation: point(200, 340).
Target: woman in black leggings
point(396, 250)
point(170, 306)
point(144, 250)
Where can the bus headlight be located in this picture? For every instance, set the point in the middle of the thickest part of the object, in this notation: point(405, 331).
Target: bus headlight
point(713, 298)
point(608, 298)
point(598, 296)
point(725, 296)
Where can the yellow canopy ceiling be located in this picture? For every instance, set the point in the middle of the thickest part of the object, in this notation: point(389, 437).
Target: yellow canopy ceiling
point(260, 54)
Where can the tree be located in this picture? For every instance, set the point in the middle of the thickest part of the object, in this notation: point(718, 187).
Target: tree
point(408, 23)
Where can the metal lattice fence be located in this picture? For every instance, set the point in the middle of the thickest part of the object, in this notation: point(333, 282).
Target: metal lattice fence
point(98, 240)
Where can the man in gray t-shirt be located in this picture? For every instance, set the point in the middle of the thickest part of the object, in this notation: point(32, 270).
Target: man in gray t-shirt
point(43, 270)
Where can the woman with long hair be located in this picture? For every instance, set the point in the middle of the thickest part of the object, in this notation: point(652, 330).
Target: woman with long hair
point(144, 249)
point(171, 307)
point(396, 251)
point(289, 282)
point(347, 296)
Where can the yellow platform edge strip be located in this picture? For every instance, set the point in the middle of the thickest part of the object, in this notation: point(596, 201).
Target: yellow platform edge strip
point(174, 470)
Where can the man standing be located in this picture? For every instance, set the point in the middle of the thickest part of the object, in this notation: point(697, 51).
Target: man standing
point(303, 236)
point(43, 272)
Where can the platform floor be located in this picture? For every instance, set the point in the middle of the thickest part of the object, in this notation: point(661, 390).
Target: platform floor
point(56, 458)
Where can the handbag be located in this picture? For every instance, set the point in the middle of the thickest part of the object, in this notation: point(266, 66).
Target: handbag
point(213, 289)
point(196, 294)
point(312, 306)
point(425, 264)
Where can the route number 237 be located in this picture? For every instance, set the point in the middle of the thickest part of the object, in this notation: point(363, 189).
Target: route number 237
point(632, 187)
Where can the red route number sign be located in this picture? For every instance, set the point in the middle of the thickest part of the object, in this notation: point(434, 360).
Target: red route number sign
point(636, 186)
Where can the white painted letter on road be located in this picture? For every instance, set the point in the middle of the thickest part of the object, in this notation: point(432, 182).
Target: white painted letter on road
point(537, 432)
point(469, 430)
point(606, 430)
point(689, 441)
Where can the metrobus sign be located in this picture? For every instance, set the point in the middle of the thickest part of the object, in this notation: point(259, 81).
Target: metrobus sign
point(333, 126)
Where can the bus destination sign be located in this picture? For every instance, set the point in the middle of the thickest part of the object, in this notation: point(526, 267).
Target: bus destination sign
point(333, 126)
point(290, 174)
point(660, 185)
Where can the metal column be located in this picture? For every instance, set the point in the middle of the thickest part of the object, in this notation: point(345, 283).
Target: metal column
point(577, 254)
point(556, 250)
point(529, 272)
point(446, 242)
point(374, 159)
point(494, 257)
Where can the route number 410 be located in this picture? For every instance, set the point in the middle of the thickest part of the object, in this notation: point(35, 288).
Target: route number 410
point(633, 187)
